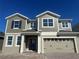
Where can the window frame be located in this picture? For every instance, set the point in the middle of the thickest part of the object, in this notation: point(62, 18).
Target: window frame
point(17, 40)
point(47, 26)
point(14, 24)
point(65, 24)
point(33, 26)
point(7, 41)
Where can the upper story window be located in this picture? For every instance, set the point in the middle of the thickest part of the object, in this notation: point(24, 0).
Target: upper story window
point(65, 24)
point(33, 25)
point(48, 22)
point(16, 24)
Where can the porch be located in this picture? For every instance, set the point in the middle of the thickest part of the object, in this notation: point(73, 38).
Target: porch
point(31, 42)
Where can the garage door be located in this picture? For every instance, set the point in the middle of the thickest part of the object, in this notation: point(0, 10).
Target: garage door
point(58, 45)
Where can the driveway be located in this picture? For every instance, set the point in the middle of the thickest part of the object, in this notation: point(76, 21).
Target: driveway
point(41, 56)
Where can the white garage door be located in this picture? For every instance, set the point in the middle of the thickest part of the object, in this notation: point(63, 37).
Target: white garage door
point(59, 45)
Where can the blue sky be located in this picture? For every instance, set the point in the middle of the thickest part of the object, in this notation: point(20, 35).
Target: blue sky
point(30, 8)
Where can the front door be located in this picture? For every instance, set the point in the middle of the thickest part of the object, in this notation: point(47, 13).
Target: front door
point(32, 44)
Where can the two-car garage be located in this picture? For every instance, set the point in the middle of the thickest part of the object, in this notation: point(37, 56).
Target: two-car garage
point(59, 45)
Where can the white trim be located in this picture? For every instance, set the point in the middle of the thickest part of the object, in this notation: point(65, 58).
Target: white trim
point(48, 12)
point(59, 37)
point(58, 25)
point(76, 46)
point(22, 44)
point(17, 20)
point(16, 14)
point(65, 27)
point(26, 25)
point(7, 40)
point(47, 33)
point(39, 44)
point(38, 24)
point(6, 26)
point(15, 28)
point(14, 24)
point(47, 26)
point(12, 33)
point(16, 41)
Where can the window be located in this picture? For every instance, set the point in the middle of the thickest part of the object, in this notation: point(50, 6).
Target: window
point(16, 24)
point(18, 41)
point(9, 40)
point(65, 24)
point(33, 25)
point(47, 22)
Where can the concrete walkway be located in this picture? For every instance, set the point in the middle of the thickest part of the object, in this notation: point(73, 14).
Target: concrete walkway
point(41, 56)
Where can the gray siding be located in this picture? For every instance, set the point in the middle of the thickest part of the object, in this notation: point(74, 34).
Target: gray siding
point(53, 29)
point(10, 50)
point(67, 29)
point(9, 30)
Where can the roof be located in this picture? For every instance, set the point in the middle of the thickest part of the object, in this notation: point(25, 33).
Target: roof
point(68, 33)
point(67, 20)
point(49, 13)
point(15, 15)
point(30, 32)
point(32, 20)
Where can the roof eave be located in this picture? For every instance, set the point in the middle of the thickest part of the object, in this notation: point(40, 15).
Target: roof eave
point(65, 20)
point(48, 12)
point(16, 14)
point(68, 33)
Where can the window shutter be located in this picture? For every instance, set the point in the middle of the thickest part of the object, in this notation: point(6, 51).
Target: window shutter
point(20, 24)
point(12, 24)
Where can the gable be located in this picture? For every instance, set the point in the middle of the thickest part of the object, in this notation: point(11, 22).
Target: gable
point(47, 16)
point(48, 12)
point(17, 14)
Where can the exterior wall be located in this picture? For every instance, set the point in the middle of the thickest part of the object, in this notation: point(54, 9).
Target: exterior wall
point(65, 29)
point(26, 45)
point(9, 23)
point(28, 25)
point(10, 50)
point(52, 29)
point(77, 42)
point(73, 44)
point(46, 34)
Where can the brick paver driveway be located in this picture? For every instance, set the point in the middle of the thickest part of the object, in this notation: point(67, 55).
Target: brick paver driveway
point(41, 56)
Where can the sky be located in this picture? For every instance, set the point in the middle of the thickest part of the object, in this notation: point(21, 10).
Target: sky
point(68, 9)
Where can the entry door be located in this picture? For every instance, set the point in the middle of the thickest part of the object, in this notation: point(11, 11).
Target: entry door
point(32, 44)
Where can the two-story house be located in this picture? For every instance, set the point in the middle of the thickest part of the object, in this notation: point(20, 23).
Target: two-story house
point(47, 33)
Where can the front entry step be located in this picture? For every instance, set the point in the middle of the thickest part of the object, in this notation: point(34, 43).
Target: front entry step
point(29, 52)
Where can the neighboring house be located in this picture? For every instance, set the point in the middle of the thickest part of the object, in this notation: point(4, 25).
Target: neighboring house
point(76, 27)
point(46, 34)
point(1, 40)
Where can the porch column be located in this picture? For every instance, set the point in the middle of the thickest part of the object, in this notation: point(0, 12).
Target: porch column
point(22, 44)
point(39, 44)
